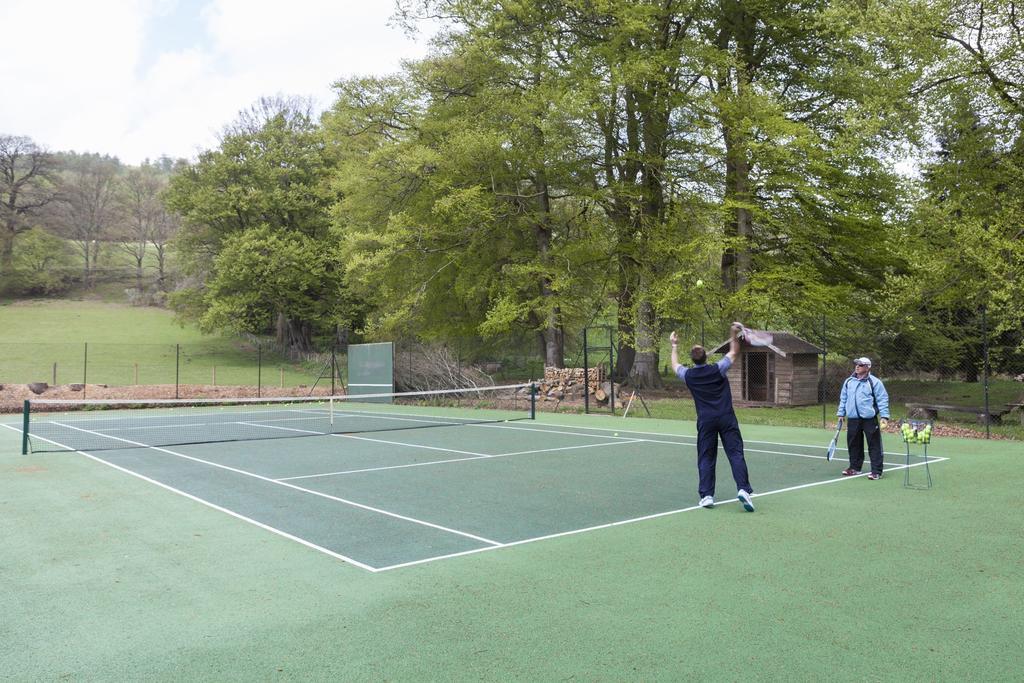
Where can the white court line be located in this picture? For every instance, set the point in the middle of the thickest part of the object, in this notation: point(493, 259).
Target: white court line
point(207, 503)
point(218, 423)
point(163, 416)
point(486, 425)
point(293, 486)
point(365, 438)
point(494, 545)
point(442, 462)
point(633, 520)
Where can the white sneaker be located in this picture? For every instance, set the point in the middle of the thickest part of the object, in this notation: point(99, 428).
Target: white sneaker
point(707, 502)
point(744, 498)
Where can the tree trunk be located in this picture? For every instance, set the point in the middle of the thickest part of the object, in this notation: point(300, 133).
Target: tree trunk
point(138, 275)
point(736, 261)
point(645, 367)
point(85, 265)
point(738, 36)
point(296, 335)
point(7, 252)
point(626, 351)
point(161, 275)
point(554, 345)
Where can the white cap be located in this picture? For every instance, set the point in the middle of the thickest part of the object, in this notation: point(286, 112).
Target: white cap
point(863, 360)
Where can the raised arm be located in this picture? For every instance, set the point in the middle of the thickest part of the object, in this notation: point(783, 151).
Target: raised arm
point(674, 340)
point(734, 342)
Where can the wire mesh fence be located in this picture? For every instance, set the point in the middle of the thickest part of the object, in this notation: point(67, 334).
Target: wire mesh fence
point(954, 366)
point(178, 370)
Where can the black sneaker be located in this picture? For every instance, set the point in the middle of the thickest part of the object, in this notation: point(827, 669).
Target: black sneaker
point(850, 472)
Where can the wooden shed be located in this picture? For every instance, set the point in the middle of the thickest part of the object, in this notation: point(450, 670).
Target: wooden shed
point(787, 373)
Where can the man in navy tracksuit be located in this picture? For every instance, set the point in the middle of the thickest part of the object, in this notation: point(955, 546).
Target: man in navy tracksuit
point(715, 418)
point(862, 401)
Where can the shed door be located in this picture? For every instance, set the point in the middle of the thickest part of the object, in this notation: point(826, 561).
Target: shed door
point(759, 376)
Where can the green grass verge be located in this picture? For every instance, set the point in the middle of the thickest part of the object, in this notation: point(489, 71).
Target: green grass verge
point(128, 345)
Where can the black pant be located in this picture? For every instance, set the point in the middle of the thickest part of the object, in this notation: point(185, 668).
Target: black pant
point(708, 431)
point(856, 429)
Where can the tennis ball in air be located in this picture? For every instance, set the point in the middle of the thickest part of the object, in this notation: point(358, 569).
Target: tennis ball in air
point(700, 283)
point(616, 433)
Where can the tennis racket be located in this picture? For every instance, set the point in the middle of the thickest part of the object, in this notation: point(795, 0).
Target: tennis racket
point(835, 439)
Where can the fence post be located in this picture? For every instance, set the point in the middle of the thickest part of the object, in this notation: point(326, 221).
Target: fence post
point(586, 375)
point(85, 371)
point(824, 372)
point(259, 369)
point(611, 370)
point(334, 369)
point(177, 368)
point(984, 351)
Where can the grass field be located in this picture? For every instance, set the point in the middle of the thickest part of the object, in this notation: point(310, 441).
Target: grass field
point(108, 577)
point(127, 345)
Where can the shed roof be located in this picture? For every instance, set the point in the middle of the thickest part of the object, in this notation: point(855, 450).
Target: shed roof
point(786, 342)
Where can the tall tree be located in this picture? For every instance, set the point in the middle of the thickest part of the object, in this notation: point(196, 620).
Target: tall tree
point(266, 180)
point(27, 185)
point(809, 98)
point(973, 194)
point(141, 211)
point(88, 212)
point(470, 205)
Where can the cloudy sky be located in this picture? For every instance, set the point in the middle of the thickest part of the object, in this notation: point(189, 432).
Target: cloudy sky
point(142, 78)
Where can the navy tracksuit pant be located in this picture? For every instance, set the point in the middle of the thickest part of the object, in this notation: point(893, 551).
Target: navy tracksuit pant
point(708, 433)
point(857, 429)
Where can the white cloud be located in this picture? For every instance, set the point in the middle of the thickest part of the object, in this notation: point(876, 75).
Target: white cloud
point(85, 76)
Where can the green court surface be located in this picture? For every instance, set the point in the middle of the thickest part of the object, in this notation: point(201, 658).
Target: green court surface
point(567, 547)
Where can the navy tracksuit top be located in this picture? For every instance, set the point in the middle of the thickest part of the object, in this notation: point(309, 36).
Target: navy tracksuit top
point(710, 390)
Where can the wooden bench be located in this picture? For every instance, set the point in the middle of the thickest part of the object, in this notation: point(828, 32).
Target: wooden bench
point(931, 412)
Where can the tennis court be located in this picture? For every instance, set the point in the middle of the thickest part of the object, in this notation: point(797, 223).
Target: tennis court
point(389, 484)
point(559, 548)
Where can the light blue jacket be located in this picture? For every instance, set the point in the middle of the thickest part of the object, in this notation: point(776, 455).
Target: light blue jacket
point(855, 398)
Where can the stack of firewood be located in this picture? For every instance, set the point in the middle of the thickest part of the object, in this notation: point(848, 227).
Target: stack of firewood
point(567, 384)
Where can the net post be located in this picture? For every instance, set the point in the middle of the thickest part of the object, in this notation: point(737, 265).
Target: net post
point(331, 409)
point(533, 400)
point(24, 428)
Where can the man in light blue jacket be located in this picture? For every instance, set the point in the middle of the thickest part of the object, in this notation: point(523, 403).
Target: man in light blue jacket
point(863, 401)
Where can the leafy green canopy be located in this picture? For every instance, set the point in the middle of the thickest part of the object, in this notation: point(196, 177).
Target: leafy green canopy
point(255, 237)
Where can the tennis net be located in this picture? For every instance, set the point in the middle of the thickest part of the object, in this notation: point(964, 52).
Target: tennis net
point(90, 425)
